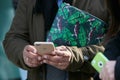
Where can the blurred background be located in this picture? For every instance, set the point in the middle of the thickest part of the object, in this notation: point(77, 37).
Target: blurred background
point(8, 71)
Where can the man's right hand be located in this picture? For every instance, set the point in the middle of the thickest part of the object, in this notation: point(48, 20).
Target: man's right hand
point(31, 57)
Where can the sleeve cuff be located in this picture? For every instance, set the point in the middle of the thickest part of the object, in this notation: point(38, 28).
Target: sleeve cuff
point(76, 59)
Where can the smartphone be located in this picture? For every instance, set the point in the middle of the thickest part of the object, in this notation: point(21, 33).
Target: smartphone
point(98, 61)
point(44, 47)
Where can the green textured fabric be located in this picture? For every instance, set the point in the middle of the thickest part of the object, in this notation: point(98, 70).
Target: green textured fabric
point(74, 27)
point(8, 71)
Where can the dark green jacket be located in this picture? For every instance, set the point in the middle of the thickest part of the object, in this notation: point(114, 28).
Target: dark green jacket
point(28, 28)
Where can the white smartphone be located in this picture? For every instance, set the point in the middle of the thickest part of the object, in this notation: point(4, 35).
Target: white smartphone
point(44, 47)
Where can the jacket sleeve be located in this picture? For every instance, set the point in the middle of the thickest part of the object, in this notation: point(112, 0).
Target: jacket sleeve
point(17, 37)
point(117, 69)
point(81, 58)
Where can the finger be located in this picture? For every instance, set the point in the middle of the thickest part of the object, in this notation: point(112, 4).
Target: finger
point(61, 48)
point(28, 59)
point(53, 58)
point(59, 53)
point(31, 49)
point(105, 76)
point(33, 57)
point(31, 54)
point(100, 75)
point(28, 52)
point(27, 62)
point(64, 53)
point(32, 63)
